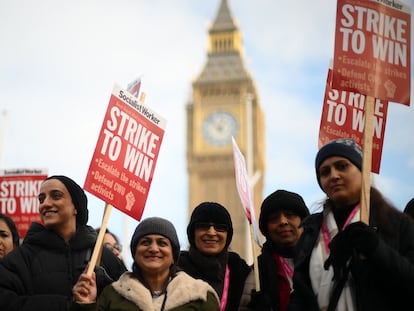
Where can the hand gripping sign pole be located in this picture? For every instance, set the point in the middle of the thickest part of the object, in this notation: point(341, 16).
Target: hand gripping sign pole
point(123, 164)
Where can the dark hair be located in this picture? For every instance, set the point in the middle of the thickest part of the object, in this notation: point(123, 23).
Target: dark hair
point(409, 208)
point(380, 211)
point(79, 199)
point(155, 225)
point(13, 229)
point(109, 232)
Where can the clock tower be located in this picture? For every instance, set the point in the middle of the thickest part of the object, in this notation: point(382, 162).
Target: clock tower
point(225, 104)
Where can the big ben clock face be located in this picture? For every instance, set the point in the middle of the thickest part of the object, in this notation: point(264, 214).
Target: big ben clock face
point(218, 128)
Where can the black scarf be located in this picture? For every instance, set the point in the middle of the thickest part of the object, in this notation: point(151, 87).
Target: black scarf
point(210, 268)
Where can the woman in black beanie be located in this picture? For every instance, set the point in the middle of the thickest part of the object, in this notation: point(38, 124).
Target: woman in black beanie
point(40, 274)
point(210, 232)
point(343, 263)
point(281, 215)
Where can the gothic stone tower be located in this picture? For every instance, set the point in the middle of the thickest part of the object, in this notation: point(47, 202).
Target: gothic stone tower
point(225, 104)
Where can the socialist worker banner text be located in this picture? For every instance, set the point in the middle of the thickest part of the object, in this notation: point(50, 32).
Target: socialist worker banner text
point(19, 190)
point(126, 153)
point(373, 48)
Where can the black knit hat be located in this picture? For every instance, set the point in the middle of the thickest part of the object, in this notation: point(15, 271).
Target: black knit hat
point(79, 199)
point(281, 200)
point(409, 208)
point(343, 147)
point(156, 225)
point(210, 212)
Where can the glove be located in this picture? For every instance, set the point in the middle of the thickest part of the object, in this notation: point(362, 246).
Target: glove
point(363, 238)
point(259, 301)
point(357, 237)
point(340, 252)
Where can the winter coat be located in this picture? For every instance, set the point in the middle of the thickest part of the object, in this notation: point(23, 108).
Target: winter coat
point(129, 294)
point(40, 274)
point(212, 270)
point(384, 281)
point(268, 274)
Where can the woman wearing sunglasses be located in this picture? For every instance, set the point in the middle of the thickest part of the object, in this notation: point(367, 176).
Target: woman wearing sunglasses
point(209, 233)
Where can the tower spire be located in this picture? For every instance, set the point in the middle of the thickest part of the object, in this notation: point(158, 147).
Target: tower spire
point(224, 35)
point(224, 20)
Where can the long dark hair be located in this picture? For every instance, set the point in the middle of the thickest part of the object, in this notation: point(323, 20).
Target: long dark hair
point(13, 229)
point(380, 210)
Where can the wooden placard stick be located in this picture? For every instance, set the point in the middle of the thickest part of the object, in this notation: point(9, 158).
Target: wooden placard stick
point(99, 240)
point(367, 158)
point(255, 263)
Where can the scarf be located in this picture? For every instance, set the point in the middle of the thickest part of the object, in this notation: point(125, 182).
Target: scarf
point(210, 268)
point(321, 279)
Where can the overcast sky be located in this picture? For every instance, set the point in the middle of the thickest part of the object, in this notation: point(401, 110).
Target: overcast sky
point(60, 59)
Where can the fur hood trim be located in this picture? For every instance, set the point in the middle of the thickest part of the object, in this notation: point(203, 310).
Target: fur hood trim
point(181, 290)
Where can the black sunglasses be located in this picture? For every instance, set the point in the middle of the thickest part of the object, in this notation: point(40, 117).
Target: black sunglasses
point(111, 247)
point(207, 225)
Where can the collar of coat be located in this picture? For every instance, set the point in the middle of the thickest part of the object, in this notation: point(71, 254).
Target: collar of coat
point(181, 289)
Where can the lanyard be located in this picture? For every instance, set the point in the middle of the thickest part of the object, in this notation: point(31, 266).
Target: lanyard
point(285, 265)
point(325, 231)
point(223, 301)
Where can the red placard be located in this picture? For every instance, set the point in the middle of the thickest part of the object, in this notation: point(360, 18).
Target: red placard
point(126, 153)
point(373, 49)
point(19, 190)
point(343, 117)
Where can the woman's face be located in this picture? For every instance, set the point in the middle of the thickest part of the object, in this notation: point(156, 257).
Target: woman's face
point(6, 239)
point(154, 254)
point(55, 206)
point(210, 239)
point(110, 243)
point(284, 228)
point(341, 180)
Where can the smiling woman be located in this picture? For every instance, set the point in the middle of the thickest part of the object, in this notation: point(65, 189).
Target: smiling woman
point(154, 283)
point(210, 232)
point(40, 274)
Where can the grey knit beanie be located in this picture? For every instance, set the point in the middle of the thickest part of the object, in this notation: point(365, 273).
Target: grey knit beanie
point(343, 147)
point(79, 199)
point(156, 225)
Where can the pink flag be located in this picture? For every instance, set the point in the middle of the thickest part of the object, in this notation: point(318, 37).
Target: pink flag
point(244, 190)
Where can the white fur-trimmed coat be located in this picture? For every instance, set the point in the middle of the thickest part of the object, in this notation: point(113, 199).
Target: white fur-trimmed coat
point(183, 293)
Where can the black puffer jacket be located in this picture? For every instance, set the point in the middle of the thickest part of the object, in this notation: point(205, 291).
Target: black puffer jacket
point(40, 274)
point(385, 281)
